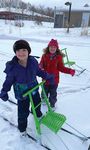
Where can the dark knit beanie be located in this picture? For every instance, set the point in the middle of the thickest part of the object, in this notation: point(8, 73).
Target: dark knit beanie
point(21, 44)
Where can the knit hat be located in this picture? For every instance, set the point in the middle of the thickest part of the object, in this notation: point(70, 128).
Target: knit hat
point(20, 44)
point(53, 43)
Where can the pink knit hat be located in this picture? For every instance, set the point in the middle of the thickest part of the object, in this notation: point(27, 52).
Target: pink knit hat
point(53, 43)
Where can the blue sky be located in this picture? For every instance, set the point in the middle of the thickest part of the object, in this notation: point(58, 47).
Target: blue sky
point(58, 3)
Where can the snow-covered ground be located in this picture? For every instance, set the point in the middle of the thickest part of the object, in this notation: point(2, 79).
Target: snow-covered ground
point(73, 92)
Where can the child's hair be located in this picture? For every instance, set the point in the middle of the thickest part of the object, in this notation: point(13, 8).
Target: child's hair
point(53, 42)
point(58, 51)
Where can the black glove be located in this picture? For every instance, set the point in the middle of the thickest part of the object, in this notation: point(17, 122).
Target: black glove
point(4, 95)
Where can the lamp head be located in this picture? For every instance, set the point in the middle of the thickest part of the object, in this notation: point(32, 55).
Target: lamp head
point(68, 3)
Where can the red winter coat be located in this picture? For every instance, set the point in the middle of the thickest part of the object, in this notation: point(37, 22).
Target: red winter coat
point(54, 66)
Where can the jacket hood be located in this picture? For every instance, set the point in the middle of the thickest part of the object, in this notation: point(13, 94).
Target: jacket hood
point(10, 64)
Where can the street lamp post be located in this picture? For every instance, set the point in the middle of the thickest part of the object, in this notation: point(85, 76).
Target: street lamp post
point(69, 15)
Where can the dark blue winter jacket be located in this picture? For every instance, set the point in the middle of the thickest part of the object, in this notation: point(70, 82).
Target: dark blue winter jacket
point(23, 78)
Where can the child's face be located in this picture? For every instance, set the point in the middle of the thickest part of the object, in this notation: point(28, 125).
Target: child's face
point(22, 54)
point(52, 49)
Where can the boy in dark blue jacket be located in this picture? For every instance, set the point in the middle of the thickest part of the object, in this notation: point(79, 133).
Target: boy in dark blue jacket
point(21, 72)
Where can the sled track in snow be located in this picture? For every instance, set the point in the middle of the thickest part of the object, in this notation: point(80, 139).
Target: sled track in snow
point(31, 135)
point(81, 44)
point(70, 91)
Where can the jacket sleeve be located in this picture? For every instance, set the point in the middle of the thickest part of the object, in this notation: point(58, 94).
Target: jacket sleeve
point(8, 82)
point(61, 66)
point(6, 87)
point(41, 64)
point(43, 74)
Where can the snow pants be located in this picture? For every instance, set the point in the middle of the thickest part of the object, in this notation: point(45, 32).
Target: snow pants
point(51, 92)
point(23, 110)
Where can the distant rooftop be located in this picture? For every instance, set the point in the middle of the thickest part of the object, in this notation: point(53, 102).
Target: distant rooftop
point(65, 8)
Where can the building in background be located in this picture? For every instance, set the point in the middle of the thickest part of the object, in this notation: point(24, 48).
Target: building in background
point(78, 18)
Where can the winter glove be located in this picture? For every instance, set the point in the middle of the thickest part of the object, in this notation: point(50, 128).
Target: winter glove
point(4, 96)
point(72, 72)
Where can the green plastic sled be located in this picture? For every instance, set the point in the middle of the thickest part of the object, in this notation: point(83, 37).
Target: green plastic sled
point(51, 119)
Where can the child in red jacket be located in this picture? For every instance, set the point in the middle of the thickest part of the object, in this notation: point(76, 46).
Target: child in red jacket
point(52, 62)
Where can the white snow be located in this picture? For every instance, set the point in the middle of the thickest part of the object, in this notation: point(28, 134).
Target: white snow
point(73, 92)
